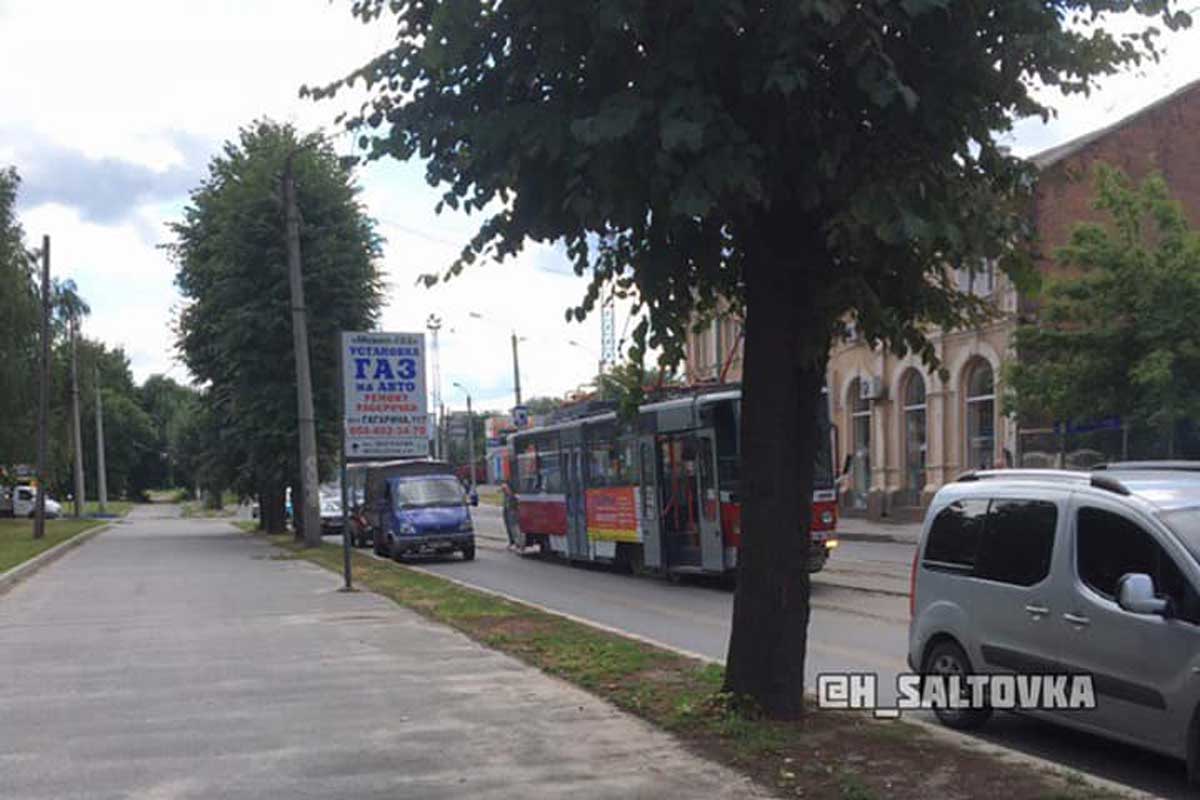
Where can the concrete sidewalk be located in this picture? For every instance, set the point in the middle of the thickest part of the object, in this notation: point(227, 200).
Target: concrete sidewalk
point(179, 658)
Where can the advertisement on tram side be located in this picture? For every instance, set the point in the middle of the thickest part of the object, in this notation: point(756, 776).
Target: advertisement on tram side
point(612, 514)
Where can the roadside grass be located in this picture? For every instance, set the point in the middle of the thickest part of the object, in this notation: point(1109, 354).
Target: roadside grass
point(116, 508)
point(197, 509)
point(17, 544)
point(168, 495)
point(826, 754)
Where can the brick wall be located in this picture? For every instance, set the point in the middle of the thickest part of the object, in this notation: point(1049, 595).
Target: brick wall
point(1162, 138)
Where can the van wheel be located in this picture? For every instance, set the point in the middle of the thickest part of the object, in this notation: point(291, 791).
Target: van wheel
point(469, 553)
point(947, 658)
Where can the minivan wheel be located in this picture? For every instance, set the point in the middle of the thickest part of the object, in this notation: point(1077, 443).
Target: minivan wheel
point(947, 658)
point(468, 552)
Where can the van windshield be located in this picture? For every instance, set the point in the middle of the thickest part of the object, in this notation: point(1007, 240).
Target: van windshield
point(1185, 522)
point(438, 490)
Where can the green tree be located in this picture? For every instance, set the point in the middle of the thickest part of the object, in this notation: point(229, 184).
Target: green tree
point(235, 333)
point(543, 405)
point(20, 318)
point(627, 384)
point(165, 400)
point(1116, 335)
point(799, 161)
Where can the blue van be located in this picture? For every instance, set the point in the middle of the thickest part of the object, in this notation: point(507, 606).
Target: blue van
point(415, 506)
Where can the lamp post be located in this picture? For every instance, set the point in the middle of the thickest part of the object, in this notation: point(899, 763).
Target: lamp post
point(516, 360)
point(591, 352)
point(470, 437)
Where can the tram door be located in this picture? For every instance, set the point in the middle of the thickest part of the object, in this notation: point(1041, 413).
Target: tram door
point(648, 503)
point(577, 539)
point(690, 508)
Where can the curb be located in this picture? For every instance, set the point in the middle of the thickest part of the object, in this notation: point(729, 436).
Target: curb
point(26, 568)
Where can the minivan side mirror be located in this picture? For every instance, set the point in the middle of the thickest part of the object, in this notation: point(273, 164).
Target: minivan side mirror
point(1135, 593)
point(474, 498)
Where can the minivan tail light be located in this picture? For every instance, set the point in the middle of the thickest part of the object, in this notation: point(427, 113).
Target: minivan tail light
point(912, 584)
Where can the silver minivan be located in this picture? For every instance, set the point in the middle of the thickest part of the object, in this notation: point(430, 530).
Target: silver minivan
point(1057, 572)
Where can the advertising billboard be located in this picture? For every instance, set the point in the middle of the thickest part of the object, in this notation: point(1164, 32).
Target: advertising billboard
point(383, 380)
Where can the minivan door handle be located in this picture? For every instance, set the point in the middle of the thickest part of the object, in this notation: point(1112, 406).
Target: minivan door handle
point(1035, 610)
point(1076, 619)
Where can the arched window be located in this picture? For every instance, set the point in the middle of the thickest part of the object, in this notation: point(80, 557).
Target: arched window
point(860, 445)
point(914, 435)
point(981, 416)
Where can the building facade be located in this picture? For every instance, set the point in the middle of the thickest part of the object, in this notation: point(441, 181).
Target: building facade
point(900, 431)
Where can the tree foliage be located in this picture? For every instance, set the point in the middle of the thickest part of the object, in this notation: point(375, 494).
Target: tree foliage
point(235, 331)
point(1116, 334)
point(20, 317)
point(798, 162)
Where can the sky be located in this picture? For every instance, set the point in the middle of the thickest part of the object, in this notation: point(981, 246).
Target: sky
point(113, 110)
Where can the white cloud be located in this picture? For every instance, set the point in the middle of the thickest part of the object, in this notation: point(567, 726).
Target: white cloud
point(159, 84)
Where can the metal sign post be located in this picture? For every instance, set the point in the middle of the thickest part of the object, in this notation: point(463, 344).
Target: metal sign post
point(349, 587)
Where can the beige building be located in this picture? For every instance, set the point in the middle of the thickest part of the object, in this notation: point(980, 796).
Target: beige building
point(900, 432)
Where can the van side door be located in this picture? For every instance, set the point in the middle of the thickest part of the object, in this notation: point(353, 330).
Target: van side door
point(1013, 584)
point(1144, 667)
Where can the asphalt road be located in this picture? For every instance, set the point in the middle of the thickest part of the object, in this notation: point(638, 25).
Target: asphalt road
point(850, 629)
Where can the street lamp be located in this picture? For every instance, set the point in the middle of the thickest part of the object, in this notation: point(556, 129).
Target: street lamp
point(470, 437)
point(516, 361)
point(591, 352)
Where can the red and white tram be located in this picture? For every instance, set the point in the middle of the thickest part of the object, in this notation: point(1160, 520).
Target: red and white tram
point(660, 495)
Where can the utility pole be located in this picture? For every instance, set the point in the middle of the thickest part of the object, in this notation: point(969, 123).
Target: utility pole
point(73, 327)
point(39, 515)
point(101, 477)
point(434, 324)
point(470, 437)
point(516, 370)
point(311, 514)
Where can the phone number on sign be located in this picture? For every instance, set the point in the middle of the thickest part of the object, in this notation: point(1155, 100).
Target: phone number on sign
point(386, 430)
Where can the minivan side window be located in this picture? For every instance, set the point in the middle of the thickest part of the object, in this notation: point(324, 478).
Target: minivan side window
point(1109, 546)
point(955, 534)
point(1017, 544)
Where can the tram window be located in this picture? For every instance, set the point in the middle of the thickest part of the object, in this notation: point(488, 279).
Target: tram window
point(613, 464)
point(631, 475)
point(527, 470)
point(647, 453)
point(549, 472)
point(601, 469)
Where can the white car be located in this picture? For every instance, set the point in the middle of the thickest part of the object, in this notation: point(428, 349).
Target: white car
point(24, 503)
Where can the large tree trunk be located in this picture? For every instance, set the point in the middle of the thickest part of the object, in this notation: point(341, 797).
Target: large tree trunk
point(270, 509)
point(786, 350)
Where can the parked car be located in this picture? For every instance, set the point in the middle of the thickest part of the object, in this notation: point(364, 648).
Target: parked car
point(411, 507)
point(21, 501)
point(1077, 573)
point(331, 513)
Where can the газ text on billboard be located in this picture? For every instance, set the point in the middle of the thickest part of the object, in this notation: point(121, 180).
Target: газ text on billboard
point(383, 378)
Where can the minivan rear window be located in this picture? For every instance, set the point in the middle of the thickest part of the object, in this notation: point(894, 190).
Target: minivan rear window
point(955, 533)
point(1005, 540)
